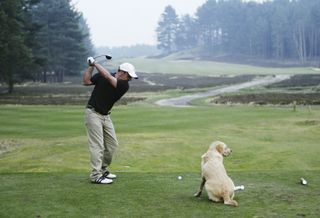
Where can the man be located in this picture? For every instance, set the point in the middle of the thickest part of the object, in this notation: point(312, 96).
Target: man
point(108, 88)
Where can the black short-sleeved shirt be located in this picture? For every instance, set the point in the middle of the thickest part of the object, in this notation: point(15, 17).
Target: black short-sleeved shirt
point(104, 95)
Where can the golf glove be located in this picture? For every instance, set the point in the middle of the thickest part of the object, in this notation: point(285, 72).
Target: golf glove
point(90, 61)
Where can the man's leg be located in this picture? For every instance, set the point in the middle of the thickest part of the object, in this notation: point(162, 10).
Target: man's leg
point(110, 142)
point(96, 143)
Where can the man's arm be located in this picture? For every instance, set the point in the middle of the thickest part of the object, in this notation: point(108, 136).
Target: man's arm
point(86, 80)
point(105, 73)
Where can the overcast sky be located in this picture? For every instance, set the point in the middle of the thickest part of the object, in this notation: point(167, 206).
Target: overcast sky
point(129, 22)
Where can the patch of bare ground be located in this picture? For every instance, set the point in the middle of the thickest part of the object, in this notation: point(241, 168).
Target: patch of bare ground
point(308, 123)
point(159, 82)
point(299, 89)
point(7, 145)
point(298, 81)
point(302, 89)
point(58, 99)
point(73, 93)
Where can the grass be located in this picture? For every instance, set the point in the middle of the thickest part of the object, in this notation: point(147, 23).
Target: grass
point(194, 67)
point(154, 195)
point(44, 161)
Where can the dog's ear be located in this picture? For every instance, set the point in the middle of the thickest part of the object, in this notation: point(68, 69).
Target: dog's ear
point(219, 148)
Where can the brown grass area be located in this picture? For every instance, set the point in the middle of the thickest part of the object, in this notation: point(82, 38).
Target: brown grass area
point(270, 98)
point(301, 89)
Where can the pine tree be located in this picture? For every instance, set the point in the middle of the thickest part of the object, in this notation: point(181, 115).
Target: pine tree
point(186, 35)
point(16, 58)
point(61, 39)
point(166, 30)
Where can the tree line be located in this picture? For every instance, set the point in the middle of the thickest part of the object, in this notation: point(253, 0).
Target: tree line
point(279, 29)
point(41, 40)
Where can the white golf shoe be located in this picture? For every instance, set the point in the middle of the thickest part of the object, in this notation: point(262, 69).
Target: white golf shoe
point(109, 175)
point(103, 180)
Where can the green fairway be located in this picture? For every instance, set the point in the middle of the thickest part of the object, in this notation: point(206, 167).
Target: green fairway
point(44, 161)
point(195, 67)
point(267, 194)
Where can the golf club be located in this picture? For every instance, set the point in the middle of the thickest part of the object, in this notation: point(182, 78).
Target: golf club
point(99, 59)
point(108, 57)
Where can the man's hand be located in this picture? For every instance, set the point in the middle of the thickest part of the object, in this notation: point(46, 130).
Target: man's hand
point(90, 61)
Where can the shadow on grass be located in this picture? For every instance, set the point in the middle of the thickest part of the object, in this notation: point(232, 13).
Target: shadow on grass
point(266, 194)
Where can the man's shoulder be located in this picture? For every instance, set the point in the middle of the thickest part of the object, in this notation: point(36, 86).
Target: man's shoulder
point(122, 84)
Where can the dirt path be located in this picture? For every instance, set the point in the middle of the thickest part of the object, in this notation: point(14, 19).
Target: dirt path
point(184, 101)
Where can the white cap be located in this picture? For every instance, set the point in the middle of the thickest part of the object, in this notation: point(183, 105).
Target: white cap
point(129, 68)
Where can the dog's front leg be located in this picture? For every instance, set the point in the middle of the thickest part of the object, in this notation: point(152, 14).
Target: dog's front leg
point(201, 187)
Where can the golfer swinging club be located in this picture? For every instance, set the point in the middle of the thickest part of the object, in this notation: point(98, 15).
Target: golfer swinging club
point(108, 88)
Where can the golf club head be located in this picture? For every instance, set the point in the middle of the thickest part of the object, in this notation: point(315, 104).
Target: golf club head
point(108, 57)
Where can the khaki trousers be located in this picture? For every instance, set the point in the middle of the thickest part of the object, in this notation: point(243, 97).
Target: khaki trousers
point(102, 142)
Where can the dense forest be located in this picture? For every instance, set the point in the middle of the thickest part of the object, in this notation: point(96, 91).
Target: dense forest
point(41, 40)
point(279, 29)
point(46, 40)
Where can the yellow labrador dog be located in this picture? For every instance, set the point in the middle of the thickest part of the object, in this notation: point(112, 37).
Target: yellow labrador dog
point(218, 184)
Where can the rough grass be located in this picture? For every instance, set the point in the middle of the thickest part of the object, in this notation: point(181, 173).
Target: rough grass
point(269, 98)
point(45, 172)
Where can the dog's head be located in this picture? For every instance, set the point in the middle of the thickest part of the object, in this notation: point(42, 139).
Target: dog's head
point(220, 147)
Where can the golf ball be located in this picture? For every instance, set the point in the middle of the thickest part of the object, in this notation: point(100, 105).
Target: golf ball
point(179, 177)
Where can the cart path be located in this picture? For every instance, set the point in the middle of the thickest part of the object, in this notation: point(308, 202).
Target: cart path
point(183, 101)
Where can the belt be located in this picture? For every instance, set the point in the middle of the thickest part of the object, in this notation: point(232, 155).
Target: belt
point(92, 108)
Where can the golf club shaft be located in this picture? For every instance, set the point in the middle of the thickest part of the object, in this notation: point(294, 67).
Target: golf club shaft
point(108, 57)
